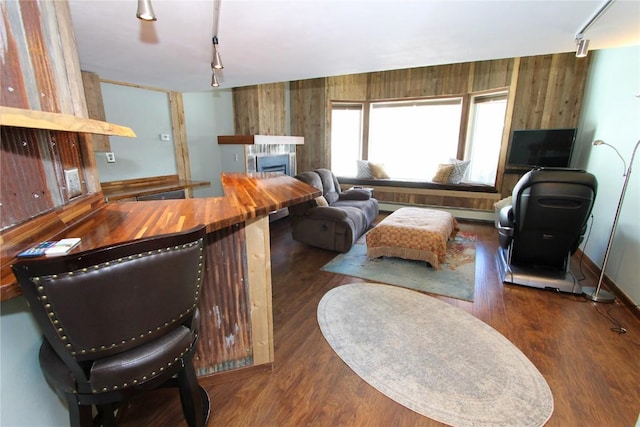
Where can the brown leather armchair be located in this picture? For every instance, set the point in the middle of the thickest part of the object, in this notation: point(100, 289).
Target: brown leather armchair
point(119, 320)
point(337, 220)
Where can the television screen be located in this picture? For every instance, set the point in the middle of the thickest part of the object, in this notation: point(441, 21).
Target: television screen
point(541, 147)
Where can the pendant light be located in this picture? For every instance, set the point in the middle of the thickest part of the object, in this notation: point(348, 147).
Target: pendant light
point(145, 11)
point(217, 61)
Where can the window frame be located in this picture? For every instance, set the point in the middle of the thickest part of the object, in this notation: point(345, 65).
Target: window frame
point(467, 101)
point(485, 97)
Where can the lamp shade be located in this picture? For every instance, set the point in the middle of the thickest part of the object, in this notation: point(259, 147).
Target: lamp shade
point(145, 11)
point(217, 61)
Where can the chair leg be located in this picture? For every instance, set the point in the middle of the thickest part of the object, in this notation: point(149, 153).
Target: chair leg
point(106, 415)
point(79, 415)
point(194, 399)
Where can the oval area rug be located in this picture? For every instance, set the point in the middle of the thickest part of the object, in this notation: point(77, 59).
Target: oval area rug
point(433, 358)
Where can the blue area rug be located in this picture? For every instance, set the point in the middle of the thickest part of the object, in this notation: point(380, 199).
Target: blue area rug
point(456, 277)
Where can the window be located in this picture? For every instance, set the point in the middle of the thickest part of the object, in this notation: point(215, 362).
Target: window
point(484, 137)
point(412, 137)
point(346, 137)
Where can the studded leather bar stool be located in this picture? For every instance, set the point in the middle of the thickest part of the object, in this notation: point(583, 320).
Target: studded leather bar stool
point(119, 320)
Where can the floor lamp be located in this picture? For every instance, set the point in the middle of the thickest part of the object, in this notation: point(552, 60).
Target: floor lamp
point(596, 294)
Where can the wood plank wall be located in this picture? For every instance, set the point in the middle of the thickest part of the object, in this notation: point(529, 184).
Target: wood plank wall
point(309, 104)
point(313, 123)
point(549, 95)
point(95, 108)
point(180, 142)
point(259, 110)
point(549, 91)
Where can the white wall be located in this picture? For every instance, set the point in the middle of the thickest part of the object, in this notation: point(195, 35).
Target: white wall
point(26, 400)
point(611, 112)
point(207, 115)
point(148, 113)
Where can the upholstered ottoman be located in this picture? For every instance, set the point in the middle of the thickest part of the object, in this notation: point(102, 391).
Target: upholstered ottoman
point(413, 233)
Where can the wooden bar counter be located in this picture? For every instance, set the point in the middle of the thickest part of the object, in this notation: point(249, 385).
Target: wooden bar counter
point(130, 189)
point(236, 328)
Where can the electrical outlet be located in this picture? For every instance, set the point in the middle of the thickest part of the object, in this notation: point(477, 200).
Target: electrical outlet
point(111, 158)
point(72, 178)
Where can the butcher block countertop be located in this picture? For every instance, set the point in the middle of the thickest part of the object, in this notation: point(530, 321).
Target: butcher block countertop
point(246, 196)
point(130, 189)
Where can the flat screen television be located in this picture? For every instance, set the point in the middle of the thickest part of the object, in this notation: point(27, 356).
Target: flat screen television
point(541, 147)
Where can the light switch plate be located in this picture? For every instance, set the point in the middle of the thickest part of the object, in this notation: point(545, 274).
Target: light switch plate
point(72, 178)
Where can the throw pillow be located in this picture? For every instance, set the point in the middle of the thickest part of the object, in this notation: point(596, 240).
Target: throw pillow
point(378, 171)
point(459, 170)
point(363, 169)
point(443, 173)
point(321, 201)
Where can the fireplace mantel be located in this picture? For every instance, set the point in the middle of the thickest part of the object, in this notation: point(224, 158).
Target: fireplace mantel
point(260, 139)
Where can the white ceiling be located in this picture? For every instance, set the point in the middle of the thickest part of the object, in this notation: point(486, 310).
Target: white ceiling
point(265, 41)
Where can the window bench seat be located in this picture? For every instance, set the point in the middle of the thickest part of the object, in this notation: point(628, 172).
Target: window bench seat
point(370, 182)
point(467, 197)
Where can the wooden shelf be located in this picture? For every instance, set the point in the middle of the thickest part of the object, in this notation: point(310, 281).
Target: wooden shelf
point(34, 119)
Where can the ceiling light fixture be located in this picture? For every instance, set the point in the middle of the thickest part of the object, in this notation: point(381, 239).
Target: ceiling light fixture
point(583, 48)
point(145, 11)
point(582, 44)
point(217, 61)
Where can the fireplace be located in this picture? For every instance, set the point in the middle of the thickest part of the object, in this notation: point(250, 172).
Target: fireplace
point(267, 153)
point(283, 163)
point(273, 163)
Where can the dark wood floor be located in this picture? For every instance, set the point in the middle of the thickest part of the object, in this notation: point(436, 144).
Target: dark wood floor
point(593, 371)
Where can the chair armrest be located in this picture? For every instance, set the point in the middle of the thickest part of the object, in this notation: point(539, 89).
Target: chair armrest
point(326, 213)
point(354, 194)
point(505, 220)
